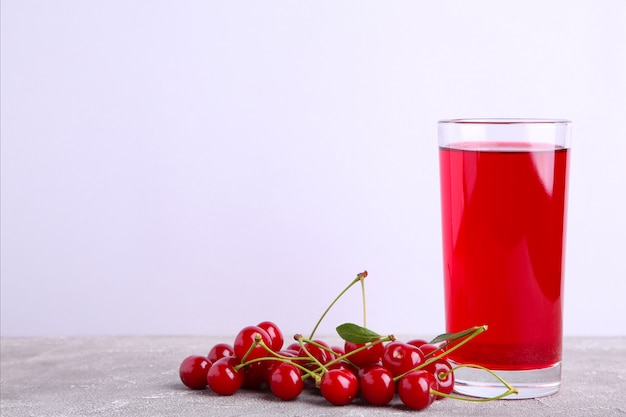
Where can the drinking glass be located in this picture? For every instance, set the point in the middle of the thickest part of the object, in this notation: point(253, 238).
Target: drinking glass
point(503, 204)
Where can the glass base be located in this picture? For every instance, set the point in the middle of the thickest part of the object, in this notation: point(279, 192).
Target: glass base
point(530, 383)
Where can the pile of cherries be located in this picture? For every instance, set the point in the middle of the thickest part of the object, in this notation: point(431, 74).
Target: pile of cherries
point(374, 370)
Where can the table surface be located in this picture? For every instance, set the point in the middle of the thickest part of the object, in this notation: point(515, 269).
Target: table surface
point(138, 376)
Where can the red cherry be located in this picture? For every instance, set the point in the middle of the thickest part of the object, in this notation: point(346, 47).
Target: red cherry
point(339, 386)
point(373, 353)
point(221, 350)
point(245, 339)
point(401, 357)
point(429, 350)
point(269, 366)
point(339, 351)
point(223, 377)
point(364, 369)
point(344, 365)
point(440, 369)
point(415, 388)
point(322, 355)
point(275, 334)
point(286, 381)
point(417, 342)
point(193, 371)
point(377, 385)
point(253, 378)
point(293, 347)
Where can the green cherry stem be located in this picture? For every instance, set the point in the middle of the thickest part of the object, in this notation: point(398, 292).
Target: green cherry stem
point(358, 278)
point(319, 345)
point(301, 341)
point(509, 388)
point(306, 372)
point(361, 277)
point(279, 358)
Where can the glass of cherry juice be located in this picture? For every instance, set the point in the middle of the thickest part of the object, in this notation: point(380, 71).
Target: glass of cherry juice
point(503, 205)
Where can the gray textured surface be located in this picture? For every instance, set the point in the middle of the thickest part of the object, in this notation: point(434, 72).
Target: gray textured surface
point(138, 376)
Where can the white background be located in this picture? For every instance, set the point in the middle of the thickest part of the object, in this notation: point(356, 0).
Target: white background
point(191, 167)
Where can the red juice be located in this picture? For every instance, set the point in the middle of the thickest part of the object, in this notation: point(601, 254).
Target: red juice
point(503, 223)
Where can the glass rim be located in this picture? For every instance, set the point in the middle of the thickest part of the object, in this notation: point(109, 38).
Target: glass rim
point(504, 121)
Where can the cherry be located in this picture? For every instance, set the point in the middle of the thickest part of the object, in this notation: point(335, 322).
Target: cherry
point(270, 365)
point(430, 350)
point(224, 378)
point(253, 375)
point(373, 353)
point(321, 354)
point(344, 365)
point(401, 357)
point(219, 351)
point(193, 371)
point(365, 368)
point(417, 342)
point(286, 381)
point(377, 385)
point(246, 338)
point(441, 370)
point(339, 351)
point(415, 388)
point(275, 334)
point(339, 386)
point(293, 347)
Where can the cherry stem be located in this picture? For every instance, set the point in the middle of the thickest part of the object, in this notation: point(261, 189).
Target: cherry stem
point(279, 358)
point(358, 278)
point(509, 388)
point(300, 340)
point(361, 277)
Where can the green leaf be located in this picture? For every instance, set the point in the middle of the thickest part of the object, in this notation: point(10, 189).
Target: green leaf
point(453, 336)
point(354, 333)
